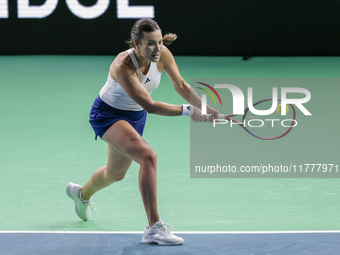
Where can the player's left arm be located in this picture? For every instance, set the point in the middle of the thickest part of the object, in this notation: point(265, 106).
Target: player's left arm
point(180, 85)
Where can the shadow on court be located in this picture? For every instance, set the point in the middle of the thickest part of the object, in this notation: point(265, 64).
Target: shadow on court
point(103, 243)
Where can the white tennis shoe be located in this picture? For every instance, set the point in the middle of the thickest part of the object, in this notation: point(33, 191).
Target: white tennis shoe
point(82, 207)
point(159, 233)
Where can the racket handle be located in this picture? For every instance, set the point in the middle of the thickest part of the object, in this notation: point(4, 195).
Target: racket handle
point(220, 116)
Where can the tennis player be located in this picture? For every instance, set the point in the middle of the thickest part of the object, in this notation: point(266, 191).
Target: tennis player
point(118, 117)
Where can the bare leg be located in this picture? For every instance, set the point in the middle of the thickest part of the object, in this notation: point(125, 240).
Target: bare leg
point(117, 164)
point(148, 188)
point(126, 140)
point(96, 183)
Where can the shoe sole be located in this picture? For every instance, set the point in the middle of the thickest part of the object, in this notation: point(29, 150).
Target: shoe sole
point(160, 242)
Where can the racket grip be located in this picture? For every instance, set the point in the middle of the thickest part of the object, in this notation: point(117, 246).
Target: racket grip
point(220, 116)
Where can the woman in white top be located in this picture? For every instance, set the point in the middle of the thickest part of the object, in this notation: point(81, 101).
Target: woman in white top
point(118, 117)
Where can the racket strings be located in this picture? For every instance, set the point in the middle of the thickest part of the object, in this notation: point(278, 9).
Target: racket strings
point(268, 126)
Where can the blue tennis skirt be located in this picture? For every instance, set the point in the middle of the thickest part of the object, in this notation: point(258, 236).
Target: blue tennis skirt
point(103, 116)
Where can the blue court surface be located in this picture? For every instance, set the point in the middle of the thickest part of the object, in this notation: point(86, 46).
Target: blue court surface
point(298, 242)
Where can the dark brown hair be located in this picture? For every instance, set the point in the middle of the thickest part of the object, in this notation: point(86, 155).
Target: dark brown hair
point(147, 25)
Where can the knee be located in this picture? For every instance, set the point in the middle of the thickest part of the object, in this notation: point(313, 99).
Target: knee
point(149, 157)
point(117, 178)
point(112, 176)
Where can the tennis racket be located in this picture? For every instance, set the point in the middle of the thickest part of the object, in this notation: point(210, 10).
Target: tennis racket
point(265, 127)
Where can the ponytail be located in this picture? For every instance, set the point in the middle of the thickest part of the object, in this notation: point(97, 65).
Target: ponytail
point(169, 38)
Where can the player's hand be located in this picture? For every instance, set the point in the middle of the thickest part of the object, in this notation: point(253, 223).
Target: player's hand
point(214, 114)
point(197, 116)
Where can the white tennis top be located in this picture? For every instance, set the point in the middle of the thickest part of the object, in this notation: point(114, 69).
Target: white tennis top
point(114, 95)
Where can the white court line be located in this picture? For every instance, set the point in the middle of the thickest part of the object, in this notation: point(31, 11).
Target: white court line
point(178, 232)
